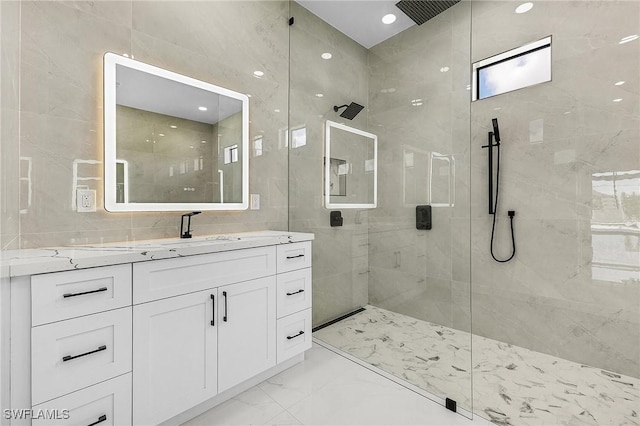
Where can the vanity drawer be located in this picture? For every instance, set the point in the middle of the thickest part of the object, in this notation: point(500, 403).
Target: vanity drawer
point(172, 277)
point(62, 295)
point(108, 403)
point(76, 353)
point(294, 292)
point(294, 335)
point(294, 256)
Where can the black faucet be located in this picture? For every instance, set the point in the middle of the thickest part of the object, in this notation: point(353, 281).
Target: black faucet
point(187, 233)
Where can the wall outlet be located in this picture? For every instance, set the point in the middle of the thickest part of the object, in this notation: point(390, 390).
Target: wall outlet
point(86, 200)
point(255, 201)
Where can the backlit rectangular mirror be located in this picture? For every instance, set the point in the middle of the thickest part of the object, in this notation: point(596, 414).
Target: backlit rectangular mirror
point(171, 142)
point(350, 168)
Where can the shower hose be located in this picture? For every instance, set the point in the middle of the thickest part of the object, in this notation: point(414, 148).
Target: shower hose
point(512, 213)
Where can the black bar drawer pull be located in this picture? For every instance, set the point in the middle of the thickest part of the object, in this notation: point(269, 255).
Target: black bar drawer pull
point(224, 294)
point(294, 257)
point(295, 292)
point(293, 337)
point(213, 310)
point(102, 418)
point(84, 292)
point(69, 357)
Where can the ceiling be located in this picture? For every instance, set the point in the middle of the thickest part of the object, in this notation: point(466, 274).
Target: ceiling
point(360, 20)
point(148, 92)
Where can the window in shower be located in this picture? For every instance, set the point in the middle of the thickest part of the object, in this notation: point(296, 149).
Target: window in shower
point(512, 70)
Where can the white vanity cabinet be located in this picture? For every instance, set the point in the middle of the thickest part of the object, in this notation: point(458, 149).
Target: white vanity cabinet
point(175, 346)
point(158, 341)
point(293, 334)
point(247, 330)
point(80, 346)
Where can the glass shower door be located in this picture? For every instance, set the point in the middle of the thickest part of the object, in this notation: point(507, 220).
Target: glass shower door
point(414, 284)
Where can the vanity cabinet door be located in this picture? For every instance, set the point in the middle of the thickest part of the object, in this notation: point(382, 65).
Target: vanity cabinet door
point(246, 330)
point(174, 355)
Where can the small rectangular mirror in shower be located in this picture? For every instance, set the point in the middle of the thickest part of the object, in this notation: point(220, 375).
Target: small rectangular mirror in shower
point(350, 167)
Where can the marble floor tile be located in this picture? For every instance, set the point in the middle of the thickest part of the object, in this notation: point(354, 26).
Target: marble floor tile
point(283, 419)
point(433, 357)
point(512, 385)
point(252, 407)
point(328, 389)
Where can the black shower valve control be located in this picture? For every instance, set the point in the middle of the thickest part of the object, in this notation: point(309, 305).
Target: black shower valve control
point(423, 217)
point(335, 218)
point(511, 213)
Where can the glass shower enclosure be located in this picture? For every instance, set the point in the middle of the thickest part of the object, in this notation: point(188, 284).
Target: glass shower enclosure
point(555, 330)
point(411, 287)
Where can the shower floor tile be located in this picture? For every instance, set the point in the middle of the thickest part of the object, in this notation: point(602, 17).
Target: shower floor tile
point(513, 385)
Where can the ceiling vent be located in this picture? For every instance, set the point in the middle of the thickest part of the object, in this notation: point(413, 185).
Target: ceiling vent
point(420, 11)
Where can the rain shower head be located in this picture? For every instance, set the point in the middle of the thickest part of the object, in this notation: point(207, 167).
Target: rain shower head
point(420, 11)
point(352, 110)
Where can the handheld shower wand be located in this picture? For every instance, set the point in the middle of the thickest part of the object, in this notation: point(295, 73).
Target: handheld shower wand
point(493, 201)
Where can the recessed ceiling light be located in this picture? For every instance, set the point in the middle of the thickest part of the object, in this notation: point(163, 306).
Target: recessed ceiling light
point(203, 141)
point(202, 108)
point(567, 112)
point(389, 18)
point(161, 134)
point(191, 146)
point(524, 7)
point(173, 126)
point(444, 69)
point(276, 110)
point(627, 39)
point(617, 100)
point(619, 83)
point(326, 55)
point(319, 95)
point(258, 73)
point(468, 87)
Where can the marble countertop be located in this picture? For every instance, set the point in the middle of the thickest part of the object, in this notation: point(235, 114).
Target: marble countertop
point(55, 259)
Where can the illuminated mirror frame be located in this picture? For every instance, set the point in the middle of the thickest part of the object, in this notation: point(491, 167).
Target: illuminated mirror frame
point(327, 167)
point(110, 62)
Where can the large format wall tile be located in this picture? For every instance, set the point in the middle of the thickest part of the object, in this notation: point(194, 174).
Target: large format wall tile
point(62, 44)
point(571, 291)
point(9, 124)
point(340, 263)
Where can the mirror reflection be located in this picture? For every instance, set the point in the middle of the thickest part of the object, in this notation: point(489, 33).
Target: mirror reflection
point(350, 167)
point(172, 142)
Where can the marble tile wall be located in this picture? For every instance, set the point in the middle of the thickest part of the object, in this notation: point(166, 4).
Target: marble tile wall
point(340, 257)
point(573, 289)
point(62, 44)
point(420, 108)
point(9, 123)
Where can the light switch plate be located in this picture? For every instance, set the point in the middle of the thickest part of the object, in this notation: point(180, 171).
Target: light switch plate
point(86, 200)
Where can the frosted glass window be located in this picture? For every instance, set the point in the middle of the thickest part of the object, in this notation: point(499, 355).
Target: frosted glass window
point(518, 68)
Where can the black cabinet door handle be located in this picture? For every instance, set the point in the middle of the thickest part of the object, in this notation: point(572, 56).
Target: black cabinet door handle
point(69, 357)
point(224, 294)
point(84, 292)
point(213, 310)
point(293, 257)
point(102, 418)
point(295, 292)
point(293, 337)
